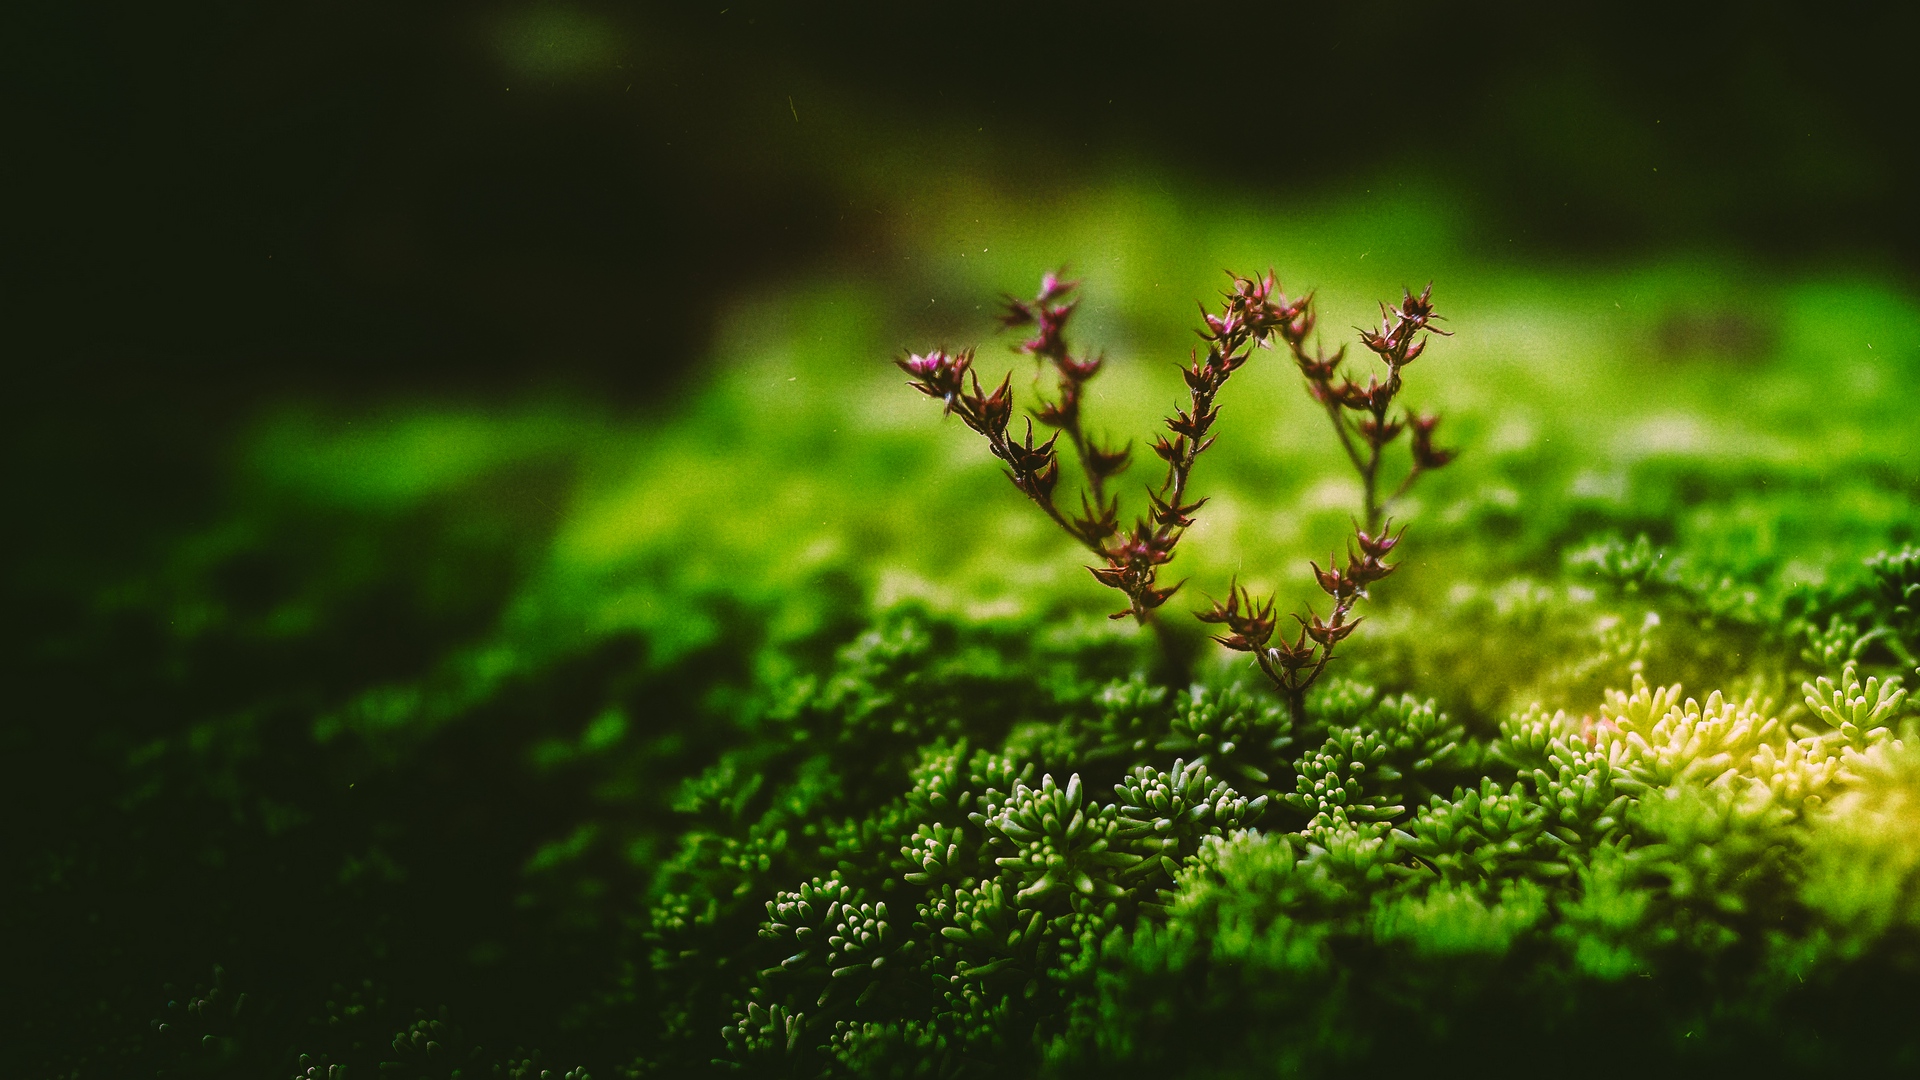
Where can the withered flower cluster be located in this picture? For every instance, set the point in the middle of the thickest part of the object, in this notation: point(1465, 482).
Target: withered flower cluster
point(1363, 415)
point(947, 376)
point(1131, 559)
point(1253, 313)
point(1293, 666)
point(1048, 313)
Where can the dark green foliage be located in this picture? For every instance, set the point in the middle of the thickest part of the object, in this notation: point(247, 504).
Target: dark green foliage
point(1006, 882)
point(1238, 734)
point(863, 788)
point(934, 844)
point(885, 870)
point(1166, 814)
point(888, 867)
point(1415, 876)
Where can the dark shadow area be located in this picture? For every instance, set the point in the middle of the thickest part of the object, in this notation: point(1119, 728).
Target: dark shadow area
point(355, 197)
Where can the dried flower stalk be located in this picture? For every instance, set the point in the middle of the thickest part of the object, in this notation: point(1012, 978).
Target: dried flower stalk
point(1362, 416)
point(1130, 560)
point(1252, 314)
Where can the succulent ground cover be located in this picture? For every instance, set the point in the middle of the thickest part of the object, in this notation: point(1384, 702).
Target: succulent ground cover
point(781, 735)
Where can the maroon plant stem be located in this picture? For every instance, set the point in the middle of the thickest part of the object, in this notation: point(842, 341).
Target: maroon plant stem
point(1346, 439)
point(1068, 412)
point(1132, 561)
point(1096, 483)
point(1004, 448)
point(1049, 313)
point(1253, 313)
point(1294, 666)
point(1064, 414)
point(1406, 485)
point(1372, 473)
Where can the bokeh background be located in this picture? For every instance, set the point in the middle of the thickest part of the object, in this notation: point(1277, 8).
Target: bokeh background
point(418, 412)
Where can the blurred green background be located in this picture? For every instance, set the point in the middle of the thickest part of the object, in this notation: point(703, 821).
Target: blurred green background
point(429, 423)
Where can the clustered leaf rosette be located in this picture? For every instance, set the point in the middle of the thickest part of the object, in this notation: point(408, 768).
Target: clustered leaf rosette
point(1654, 740)
point(1571, 777)
point(765, 1034)
point(971, 795)
point(942, 788)
point(1355, 854)
point(431, 1045)
point(906, 683)
point(939, 855)
point(1862, 858)
point(1334, 778)
point(710, 875)
point(873, 1048)
point(1485, 833)
point(1593, 778)
point(981, 930)
point(1528, 738)
point(1857, 716)
point(1686, 742)
point(1232, 733)
point(995, 779)
point(846, 845)
point(1165, 814)
point(1897, 617)
point(1128, 721)
point(1058, 845)
point(833, 930)
point(1708, 846)
point(1421, 742)
point(995, 958)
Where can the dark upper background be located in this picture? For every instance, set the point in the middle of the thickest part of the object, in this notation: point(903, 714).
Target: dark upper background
point(223, 200)
point(217, 204)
